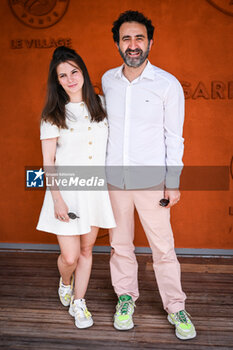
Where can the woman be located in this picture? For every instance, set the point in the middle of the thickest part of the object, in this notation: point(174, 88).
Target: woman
point(74, 132)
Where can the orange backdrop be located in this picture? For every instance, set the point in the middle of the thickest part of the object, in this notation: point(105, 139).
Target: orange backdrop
point(193, 41)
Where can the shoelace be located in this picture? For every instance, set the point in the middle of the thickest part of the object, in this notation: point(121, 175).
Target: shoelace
point(182, 316)
point(124, 307)
point(67, 297)
point(87, 313)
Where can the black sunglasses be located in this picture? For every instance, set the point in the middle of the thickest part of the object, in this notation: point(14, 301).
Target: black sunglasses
point(73, 216)
point(163, 202)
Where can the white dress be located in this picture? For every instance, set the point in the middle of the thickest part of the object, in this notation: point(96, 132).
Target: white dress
point(82, 144)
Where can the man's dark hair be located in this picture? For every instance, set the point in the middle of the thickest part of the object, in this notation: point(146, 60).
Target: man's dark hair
point(132, 16)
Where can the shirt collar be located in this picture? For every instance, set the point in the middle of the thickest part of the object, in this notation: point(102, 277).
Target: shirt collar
point(119, 72)
point(148, 72)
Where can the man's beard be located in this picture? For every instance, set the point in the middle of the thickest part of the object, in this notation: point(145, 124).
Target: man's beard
point(135, 61)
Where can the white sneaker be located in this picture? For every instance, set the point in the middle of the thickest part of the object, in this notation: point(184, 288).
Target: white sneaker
point(79, 311)
point(65, 292)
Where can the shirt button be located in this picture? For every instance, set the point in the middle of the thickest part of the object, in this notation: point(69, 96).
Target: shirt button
point(82, 104)
point(89, 128)
point(90, 143)
point(86, 116)
point(71, 129)
point(105, 124)
point(90, 157)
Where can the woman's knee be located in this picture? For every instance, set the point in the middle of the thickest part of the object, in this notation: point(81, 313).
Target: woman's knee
point(69, 260)
point(86, 251)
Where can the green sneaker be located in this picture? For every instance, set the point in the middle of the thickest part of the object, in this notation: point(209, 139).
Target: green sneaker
point(123, 319)
point(184, 326)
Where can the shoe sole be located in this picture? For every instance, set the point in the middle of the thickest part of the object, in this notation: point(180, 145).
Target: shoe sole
point(178, 334)
point(66, 305)
point(123, 328)
point(78, 325)
point(86, 326)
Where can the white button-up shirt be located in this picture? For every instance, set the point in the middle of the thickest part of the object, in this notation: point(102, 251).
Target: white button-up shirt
point(145, 127)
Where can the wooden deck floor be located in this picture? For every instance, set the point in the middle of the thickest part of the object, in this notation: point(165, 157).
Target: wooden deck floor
point(31, 316)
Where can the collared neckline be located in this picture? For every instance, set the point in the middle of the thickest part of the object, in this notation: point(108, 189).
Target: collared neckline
point(147, 73)
point(119, 72)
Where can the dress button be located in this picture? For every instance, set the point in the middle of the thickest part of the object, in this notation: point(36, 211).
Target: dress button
point(90, 157)
point(71, 129)
point(89, 128)
point(90, 143)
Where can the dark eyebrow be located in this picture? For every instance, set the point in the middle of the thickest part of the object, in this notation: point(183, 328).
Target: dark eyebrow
point(126, 37)
point(71, 71)
point(137, 36)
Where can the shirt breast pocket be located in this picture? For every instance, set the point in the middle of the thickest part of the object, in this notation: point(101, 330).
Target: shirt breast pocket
point(151, 108)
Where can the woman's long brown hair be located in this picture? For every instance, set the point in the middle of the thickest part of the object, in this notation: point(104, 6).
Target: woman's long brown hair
point(54, 109)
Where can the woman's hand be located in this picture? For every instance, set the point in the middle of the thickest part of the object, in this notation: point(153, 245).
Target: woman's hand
point(61, 210)
point(49, 147)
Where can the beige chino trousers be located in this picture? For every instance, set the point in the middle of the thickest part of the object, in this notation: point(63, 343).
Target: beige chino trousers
point(156, 223)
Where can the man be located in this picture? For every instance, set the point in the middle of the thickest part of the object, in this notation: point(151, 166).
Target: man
point(145, 108)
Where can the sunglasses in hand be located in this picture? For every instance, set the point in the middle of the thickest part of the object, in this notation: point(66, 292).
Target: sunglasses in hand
point(163, 202)
point(73, 216)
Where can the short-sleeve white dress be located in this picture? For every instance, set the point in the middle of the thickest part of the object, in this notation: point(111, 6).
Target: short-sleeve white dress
point(82, 144)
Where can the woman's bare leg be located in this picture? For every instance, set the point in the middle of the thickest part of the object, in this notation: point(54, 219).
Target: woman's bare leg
point(83, 269)
point(67, 260)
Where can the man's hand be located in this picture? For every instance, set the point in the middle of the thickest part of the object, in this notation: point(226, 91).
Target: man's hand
point(173, 196)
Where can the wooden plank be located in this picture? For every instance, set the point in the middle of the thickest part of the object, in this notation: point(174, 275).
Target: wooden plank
point(200, 268)
point(31, 316)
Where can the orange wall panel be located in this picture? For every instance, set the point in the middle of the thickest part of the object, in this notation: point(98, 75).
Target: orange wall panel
point(193, 41)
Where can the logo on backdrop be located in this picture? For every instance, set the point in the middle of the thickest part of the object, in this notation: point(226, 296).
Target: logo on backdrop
point(225, 6)
point(35, 178)
point(39, 13)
